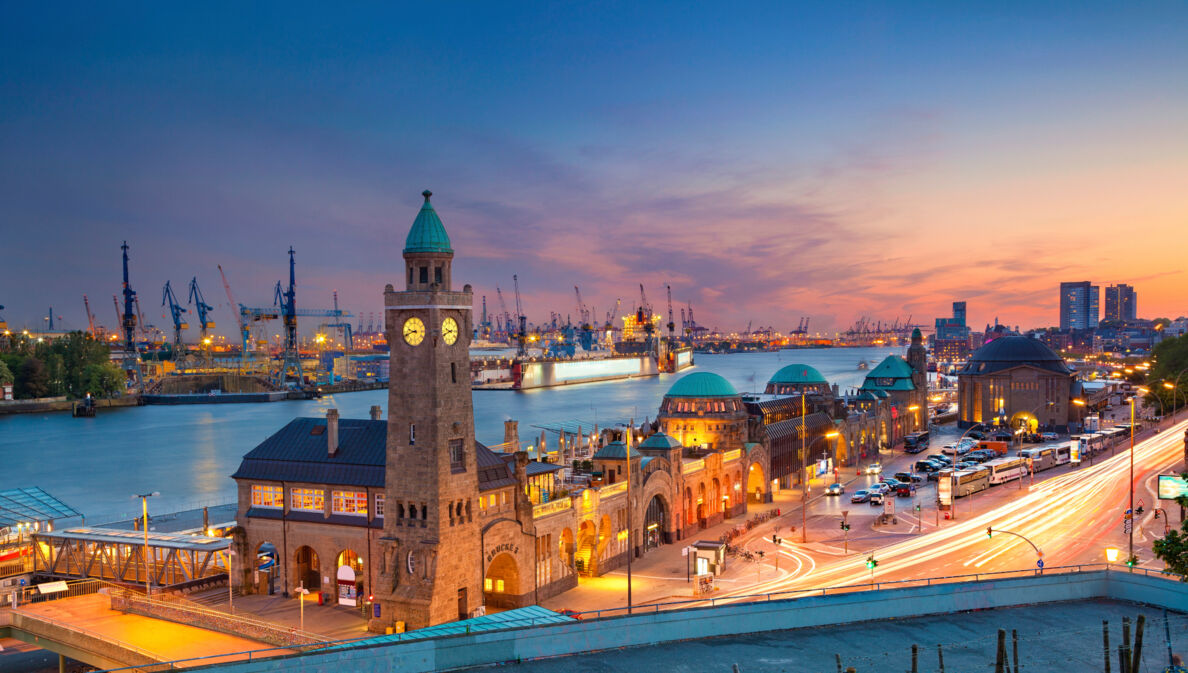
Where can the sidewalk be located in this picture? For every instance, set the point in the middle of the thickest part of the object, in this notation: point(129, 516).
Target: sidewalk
point(336, 622)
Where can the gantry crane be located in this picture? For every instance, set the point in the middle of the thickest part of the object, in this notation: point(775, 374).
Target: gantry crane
point(244, 328)
point(671, 322)
point(90, 318)
point(201, 308)
point(521, 319)
point(168, 298)
point(128, 322)
point(286, 300)
point(507, 326)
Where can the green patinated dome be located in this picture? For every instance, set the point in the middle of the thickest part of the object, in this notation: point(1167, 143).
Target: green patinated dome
point(702, 384)
point(428, 234)
point(798, 375)
point(659, 441)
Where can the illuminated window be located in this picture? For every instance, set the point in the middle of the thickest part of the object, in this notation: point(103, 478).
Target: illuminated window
point(267, 496)
point(493, 585)
point(502, 498)
point(349, 502)
point(308, 499)
point(379, 505)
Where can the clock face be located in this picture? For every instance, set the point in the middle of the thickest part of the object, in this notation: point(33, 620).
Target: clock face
point(414, 331)
point(449, 331)
point(412, 563)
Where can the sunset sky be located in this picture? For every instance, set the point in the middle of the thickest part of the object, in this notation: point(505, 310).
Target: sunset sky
point(770, 161)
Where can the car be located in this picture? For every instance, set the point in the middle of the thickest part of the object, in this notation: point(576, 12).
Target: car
point(903, 476)
point(1003, 436)
point(966, 465)
point(876, 498)
point(890, 483)
point(835, 489)
point(926, 466)
point(860, 496)
point(905, 490)
point(880, 488)
point(976, 434)
point(1049, 436)
point(874, 468)
point(935, 476)
point(916, 478)
point(938, 458)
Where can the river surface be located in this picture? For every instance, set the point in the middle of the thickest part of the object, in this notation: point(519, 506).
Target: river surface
point(188, 452)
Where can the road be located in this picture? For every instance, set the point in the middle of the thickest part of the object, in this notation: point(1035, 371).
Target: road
point(1072, 517)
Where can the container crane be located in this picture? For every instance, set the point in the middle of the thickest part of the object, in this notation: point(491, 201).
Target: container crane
point(201, 308)
point(90, 318)
point(583, 312)
point(507, 327)
point(168, 298)
point(128, 320)
point(343, 326)
point(521, 319)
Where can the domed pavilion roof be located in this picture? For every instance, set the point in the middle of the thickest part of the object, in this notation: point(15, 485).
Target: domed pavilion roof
point(1013, 351)
point(797, 375)
point(659, 441)
point(702, 384)
point(428, 234)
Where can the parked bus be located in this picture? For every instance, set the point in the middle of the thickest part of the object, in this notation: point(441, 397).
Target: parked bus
point(968, 482)
point(1003, 470)
point(1091, 444)
point(915, 442)
point(1041, 458)
point(1063, 453)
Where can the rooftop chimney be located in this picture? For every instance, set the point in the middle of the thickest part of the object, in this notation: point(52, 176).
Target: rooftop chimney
point(332, 431)
point(376, 413)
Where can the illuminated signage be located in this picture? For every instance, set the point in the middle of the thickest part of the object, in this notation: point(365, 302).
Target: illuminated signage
point(1074, 452)
point(944, 488)
point(1172, 487)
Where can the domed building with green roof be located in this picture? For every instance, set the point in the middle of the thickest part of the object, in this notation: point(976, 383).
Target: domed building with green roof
point(1018, 381)
point(702, 410)
point(797, 379)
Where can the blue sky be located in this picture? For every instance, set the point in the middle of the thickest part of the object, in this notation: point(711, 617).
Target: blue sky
point(768, 160)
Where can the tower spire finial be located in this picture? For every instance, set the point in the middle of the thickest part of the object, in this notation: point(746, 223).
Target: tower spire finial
point(426, 194)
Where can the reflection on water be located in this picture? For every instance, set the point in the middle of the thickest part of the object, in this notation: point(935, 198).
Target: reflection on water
point(189, 452)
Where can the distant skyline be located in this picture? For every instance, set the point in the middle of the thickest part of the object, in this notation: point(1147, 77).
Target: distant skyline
point(770, 161)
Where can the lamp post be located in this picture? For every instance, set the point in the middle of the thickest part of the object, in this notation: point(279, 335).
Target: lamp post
point(804, 491)
point(1147, 391)
point(148, 591)
point(1130, 512)
point(301, 592)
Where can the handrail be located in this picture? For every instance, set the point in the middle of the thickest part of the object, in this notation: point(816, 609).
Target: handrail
point(87, 632)
point(791, 594)
point(173, 603)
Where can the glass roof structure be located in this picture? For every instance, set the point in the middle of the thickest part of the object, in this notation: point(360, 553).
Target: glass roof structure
point(32, 505)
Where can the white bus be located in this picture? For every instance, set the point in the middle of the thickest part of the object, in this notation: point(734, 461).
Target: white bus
point(1041, 458)
point(1091, 444)
point(1063, 453)
point(968, 482)
point(1003, 470)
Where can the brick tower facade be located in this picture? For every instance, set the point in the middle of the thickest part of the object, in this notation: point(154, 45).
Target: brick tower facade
point(429, 573)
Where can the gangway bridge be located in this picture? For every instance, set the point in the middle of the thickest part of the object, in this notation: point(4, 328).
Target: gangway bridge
point(174, 560)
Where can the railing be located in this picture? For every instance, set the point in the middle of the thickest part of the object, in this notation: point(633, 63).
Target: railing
point(693, 466)
point(102, 637)
point(613, 489)
point(32, 594)
point(792, 594)
point(547, 508)
point(172, 602)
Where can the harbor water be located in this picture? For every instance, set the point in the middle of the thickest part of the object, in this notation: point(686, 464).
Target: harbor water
point(188, 453)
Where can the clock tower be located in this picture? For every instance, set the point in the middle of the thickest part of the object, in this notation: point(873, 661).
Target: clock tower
point(428, 572)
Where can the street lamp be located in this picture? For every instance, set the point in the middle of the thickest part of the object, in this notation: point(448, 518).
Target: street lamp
point(148, 592)
point(1111, 554)
point(804, 490)
point(1130, 512)
point(301, 592)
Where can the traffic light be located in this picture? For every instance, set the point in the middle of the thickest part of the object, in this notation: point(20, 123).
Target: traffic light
point(917, 507)
point(989, 532)
point(774, 539)
point(843, 525)
point(871, 563)
point(1132, 561)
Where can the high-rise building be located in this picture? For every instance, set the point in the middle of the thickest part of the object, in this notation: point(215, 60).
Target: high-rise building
point(1121, 303)
point(1079, 305)
point(951, 342)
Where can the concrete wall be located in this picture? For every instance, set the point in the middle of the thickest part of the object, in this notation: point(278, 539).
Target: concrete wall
point(677, 625)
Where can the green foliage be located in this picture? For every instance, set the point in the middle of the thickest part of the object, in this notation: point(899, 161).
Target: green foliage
point(1169, 360)
point(5, 373)
point(59, 367)
point(103, 379)
point(1172, 549)
point(32, 379)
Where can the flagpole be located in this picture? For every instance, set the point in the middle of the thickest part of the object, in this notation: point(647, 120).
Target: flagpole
point(629, 549)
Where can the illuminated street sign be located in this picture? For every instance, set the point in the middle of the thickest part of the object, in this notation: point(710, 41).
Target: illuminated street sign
point(1172, 487)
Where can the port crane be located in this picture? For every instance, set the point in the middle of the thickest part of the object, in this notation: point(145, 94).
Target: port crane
point(671, 322)
point(343, 326)
point(244, 328)
point(176, 311)
point(521, 319)
point(507, 326)
point(90, 318)
point(201, 308)
point(286, 300)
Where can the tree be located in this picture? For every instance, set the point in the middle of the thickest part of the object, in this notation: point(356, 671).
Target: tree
point(32, 380)
point(6, 376)
point(103, 379)
point(1172, 549)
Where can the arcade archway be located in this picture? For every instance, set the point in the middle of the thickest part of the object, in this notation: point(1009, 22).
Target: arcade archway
point(349, 577)
point(502, 580)
point(654, 518)
point(308, 572)
point(756, 483)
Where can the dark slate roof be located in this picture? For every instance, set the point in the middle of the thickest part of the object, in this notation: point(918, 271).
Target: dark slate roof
point(493, 471)
point(817, 423)
point(1014, 351)
point(298, 452)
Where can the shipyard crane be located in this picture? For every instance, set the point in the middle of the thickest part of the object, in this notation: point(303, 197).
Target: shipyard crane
point(128, 321)
point(521, 319)
point(244, 329)
point(201, 308)
point(507, 323)
point(90, 318)
point(583, 312)
point(286, 300)
point(342, 325)
point(671, 322)
point(643, 314)
point(612, 314)
point(168, 298)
